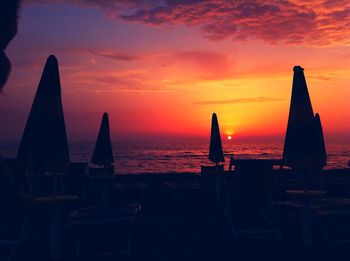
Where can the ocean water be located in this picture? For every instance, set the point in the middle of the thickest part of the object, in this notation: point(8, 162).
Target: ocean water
point(132, 158)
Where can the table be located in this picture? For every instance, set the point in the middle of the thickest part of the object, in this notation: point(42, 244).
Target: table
point(54, 204)
point(182, 187)
point(131, 187)
point(106, 180)
point(306, 197)
point(248, 164)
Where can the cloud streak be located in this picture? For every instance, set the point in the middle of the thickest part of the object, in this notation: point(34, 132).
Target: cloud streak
point(240, 100)
point(120, 56)
point(317, 23)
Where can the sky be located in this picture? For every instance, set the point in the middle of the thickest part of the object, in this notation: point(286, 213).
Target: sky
point(161, 68)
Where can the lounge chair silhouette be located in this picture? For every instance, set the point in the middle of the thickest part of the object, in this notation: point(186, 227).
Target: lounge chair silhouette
point(249, 208)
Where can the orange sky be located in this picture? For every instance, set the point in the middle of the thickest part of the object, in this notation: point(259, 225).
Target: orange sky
point(160, 75)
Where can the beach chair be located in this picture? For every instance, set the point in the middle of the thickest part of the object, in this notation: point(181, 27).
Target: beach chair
point(90, 221)
point(77, 179)
point(249, 208)
point(332, 215)
point(131, 191)
point(101, 177)
point(14, 227)
point(13, 233)
point(178, 189)
point(101, 171)
point(212, 179)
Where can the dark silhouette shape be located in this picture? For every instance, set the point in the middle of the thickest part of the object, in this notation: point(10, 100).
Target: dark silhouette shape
point(103, 153)
point(44, 145)
point(215, 151)
point(250, 208)
point(321, 143)
point(13, 201)
point(8, 30)
point(304, 144)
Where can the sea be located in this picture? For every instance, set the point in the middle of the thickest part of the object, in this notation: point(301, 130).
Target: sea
point(183, 157)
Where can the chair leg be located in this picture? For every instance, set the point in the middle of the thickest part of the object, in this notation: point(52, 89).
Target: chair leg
point(276, 221)
point(326, 232)
point(128, 240)
point(25, 231)
point(77, 249)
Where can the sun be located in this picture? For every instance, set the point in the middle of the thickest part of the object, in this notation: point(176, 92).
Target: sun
point(229, 137)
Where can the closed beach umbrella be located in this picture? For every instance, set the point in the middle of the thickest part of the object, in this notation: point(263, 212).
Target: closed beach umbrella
point(304, 143)
point(215, 151)
point(103, 154)
point(44, 145)
point(322, 147)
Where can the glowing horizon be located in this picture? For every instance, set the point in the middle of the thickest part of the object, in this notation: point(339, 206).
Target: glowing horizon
point(158, 74)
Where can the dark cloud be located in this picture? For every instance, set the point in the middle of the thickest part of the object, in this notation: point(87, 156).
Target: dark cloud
point(317, 22)
point(240, 100)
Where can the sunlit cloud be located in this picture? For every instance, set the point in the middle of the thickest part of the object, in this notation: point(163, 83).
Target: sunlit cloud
point(240, 100)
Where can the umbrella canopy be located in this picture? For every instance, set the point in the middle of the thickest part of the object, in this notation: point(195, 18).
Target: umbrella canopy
point(103, 154)
point(304, 143)
point(321, 143)
point(215, 151)
point(44, 145)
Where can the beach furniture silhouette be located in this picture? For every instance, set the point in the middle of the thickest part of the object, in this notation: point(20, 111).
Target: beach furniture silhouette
point(304, 147)
point(216, 154)
point(304, 151)
point(249, 208)
point(178, 189)
point(90, 221)
point(215, 149)
point(212, 174)
point(103, 157)
point(103, 153)
point(77, 179)
point(126, 189)
point(87, 221)
point(44, 146)
point(14, 220)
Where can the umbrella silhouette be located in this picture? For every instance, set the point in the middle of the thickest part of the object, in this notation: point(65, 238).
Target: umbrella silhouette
point(215, 150)
point(304, 143)
point(103, 154)
point(322, 147)
point(44, 145)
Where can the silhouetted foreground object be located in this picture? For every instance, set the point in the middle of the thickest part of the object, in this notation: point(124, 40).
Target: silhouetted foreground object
point(103, 154)
point(215, 150)
point(8, 30)
point(320, 142)
point(44, 145)
point(304, 143)
point(249, 208)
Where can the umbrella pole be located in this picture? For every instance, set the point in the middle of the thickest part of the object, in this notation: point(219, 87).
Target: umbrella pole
point(104, 188)
point(217, 183)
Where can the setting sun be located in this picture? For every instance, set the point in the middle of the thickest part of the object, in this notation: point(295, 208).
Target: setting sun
point(229, 137)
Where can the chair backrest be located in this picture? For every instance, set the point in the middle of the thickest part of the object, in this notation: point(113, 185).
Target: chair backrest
point(104, 171)
point(212, 170)
point(19, 175)
point(12, 206)
point(251, 187)
point(77, 175)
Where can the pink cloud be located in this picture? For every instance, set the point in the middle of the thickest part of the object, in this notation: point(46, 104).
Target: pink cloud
point(318, 22)
point(240, 100)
